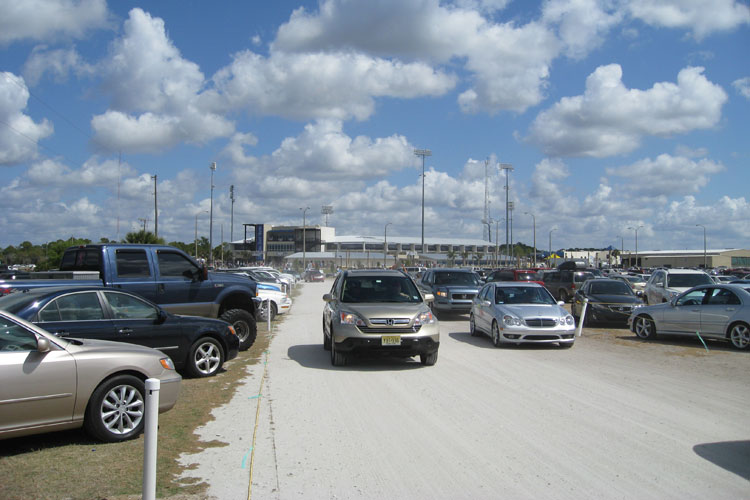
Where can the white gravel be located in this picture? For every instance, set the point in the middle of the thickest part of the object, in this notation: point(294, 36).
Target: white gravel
point(613, 417)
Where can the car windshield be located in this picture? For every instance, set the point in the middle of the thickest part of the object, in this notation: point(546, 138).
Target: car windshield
point(379, 289)
point(688, 280)
point(523, 295)
point(456, 278)
point(610, 288)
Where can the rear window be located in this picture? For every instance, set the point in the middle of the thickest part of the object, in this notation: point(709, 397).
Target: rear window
point(581, 277)
point(687, 280)
point(81, 259)
point(526, 277)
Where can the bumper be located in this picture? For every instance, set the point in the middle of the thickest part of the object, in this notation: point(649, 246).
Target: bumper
point(452, 306)
point(410, 346)
point(169, 391)
point(284, 306)
point(515, 335)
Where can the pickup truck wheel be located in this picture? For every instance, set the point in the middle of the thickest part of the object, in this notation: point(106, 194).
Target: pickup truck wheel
point(206, 358)
point(116, 409)
point(244, 324)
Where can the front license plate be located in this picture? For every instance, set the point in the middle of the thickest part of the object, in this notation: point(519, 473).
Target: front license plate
point(390, 340)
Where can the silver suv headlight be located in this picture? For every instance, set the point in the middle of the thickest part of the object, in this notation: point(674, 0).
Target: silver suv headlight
point(425, 318)
point(348, 318)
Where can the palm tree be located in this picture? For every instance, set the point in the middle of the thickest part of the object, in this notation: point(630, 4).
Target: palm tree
point(144, 237)
point(451, 257)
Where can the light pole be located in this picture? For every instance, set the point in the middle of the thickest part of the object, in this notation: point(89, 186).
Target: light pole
point(497, 247)
point(508, 168)
point(423, 153)
point(550, 242)
point(385, 245)
point(534, 221)
point(231, 220)
point(512, 246)
point(636, 243)
point(304, 231)
point(704, 245)
point(211, 219)
point(196, 231)
point(156, 211)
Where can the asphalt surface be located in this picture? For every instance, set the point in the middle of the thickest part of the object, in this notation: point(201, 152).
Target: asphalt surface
point(613, 417)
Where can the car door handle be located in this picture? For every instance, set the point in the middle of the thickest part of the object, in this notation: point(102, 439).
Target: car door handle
point(125, 331)
point(160, 288)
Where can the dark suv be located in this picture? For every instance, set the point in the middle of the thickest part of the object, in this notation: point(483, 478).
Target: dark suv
point(454, 289)
point(563, 284)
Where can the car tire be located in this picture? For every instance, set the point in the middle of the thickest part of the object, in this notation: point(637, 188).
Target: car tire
point(338, 358)
point(206, 358)
point(644, 328)
point(472, 326)
point(116, 409)
point(244, 325)
point(428, 359)
point(496, 335)
point(739, 335)
point(326, 338)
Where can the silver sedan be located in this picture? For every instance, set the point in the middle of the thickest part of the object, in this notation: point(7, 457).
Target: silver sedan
point(517, 313)
point(50, 383)
point(712, 311)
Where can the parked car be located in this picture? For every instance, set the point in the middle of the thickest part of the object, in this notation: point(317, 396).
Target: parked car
point(51, 384)
point(517, 313)
point(198, 346)
point(667, 283)
point(454, 289)
point(378, 311)
point(636, 282)
point(563, 284)
point(714, 310)
point(513, 275)
point(609, 300)
point(312, 275)
point(280, 302)
point(162, 274)
point(724, 278)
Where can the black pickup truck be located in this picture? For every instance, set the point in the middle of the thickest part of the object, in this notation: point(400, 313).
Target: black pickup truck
point(163, 274)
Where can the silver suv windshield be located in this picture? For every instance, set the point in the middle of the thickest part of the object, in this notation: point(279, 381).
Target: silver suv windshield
point(379, 289)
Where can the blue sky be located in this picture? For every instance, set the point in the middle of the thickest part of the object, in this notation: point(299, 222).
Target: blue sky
point(614, 115)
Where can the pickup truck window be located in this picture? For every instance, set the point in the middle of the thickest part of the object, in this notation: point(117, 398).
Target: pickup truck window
point(175, 265)
point(81, 259)
point(132, 264)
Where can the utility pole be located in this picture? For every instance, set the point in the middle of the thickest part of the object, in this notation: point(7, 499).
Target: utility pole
point(423, 153)
point(231, 220)
point(487, 201)
point(211, 219)
point(508, 168)
point(156, 210)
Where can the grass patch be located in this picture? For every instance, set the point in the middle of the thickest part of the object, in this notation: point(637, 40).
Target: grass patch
point(70, 465)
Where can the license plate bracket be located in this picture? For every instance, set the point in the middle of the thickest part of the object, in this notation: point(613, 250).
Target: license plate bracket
point(390, 340)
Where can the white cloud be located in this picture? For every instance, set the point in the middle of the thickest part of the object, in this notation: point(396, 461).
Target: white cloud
point(742, 85)
point(19, 134)
point(338, 85)
point(667, 175)
point(50, 19)
point(146, 74)
point(509, 64)
point(609, 119)
point(323, 151)
point(58, 62)
point(702, 17)
point(582, 24)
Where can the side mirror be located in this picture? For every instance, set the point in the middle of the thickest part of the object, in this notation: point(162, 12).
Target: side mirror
point(42, 345)
point(639, 293)
point(327, 297)
point(486, 303)
point(673, 301)
point(428, 297)
point(161, 318)
point(561, 303)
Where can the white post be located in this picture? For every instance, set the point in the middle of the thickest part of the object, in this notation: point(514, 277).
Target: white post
point(268, 313)
point(582, 317)
point(150, 432)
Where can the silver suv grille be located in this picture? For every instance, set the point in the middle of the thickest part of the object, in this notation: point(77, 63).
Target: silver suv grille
point(389, 330)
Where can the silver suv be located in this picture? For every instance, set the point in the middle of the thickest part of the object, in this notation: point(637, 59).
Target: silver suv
point(379, 311)
point(667, 283)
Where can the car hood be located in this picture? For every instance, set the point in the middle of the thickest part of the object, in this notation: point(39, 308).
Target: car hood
point(532, 310)
point(386, 310)
point(614, 299)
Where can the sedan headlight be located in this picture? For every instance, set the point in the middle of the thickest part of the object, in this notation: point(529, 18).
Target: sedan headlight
point(351, 319)
point(511, 321)
point(425, 318)
point(568, 320)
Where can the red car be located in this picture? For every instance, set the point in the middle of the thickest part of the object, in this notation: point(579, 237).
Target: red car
point(314, 275)
point(514, 275)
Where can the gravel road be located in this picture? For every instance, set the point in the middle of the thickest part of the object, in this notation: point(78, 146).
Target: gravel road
point(613, 417)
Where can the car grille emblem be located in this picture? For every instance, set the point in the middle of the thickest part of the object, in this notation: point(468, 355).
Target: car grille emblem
point(389, 322)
